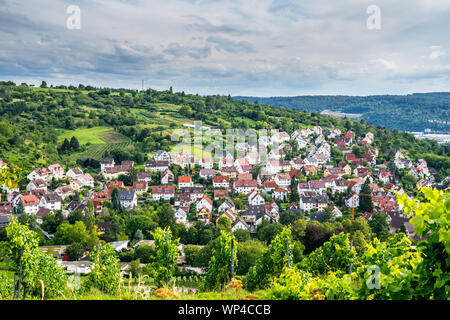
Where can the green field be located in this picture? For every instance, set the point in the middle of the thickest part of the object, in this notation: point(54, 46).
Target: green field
point(94, 135)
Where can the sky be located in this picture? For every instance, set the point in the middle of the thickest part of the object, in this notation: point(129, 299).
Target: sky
point(238, 47)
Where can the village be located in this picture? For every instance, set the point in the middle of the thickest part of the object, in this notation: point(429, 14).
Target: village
point(311, 183)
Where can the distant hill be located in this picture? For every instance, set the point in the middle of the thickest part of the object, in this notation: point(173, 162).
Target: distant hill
point(413, 112)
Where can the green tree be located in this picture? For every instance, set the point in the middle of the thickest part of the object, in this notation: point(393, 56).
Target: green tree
point(248, 253)
point(74, 144)
point(166, 255)
point(74, 251)
point(32, 263)
point(219, 268)
point(105, 271)
point(380, 225)
point(365, 202)
point(242, 235)
point(271, 263)
point(224, 223)
point(166, 216)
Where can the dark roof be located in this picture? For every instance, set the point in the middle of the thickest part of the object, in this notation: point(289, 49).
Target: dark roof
point(76, 205)
point(126, 195)
point(257, 211)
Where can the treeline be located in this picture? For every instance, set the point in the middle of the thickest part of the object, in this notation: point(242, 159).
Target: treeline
point(406, 113)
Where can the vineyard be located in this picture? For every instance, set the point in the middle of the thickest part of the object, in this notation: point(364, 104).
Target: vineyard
point(96, 151)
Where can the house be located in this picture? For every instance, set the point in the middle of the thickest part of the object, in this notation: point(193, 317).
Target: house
point(128, 199)
point(106, 163)
point(112, 173)
point(51, 201)
point(309, 169)
point(156, 166)
point(226, 205)
point(280, 194)
point(246, 168)
point(87, 180)
point(206, 163)
point(352, 200)
point(239, 224)
point(184, 182)
point(167, 177)
point(274, 167)
point(145, 176)
point(30, 204)
point(348, 137)
point(140, 187)
point(283, 180)
point(38, 184)
point(74, 173)
point(194, 192)
point(255, 199)
point(64, 191)
point(339, 185)
point(253, 216)
point(204, 207)
point(280, 137)
point(244, 186)
point(226, 163)
point(41, 213)
point(161, 155)
point(221, 182)
point(269, 186)
point(181, 198)
point(229, 172)
point(220, 194)
point(43, 174)
point(163, 193)
point(57, 171)
point(73, 206)
point(207, 173)
point(181, 216)
point(318, 203)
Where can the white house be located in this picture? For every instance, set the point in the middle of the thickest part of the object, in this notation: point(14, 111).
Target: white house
point(255, 199)
point(128, 199)
point(161, 155)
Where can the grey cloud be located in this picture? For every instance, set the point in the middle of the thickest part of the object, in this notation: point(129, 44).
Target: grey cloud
point(177, 50)
point(223, 44)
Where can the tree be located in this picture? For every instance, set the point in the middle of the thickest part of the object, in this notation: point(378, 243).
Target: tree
point(166, 255)
point(430, 215)
point(145, 253)
point(224, 223)
point(271, 263)
point(31, 263)
point(248, 253)
point(294, 197)
point(409, 180)
point(242, 235)
point(74, 144)
point(76, 233)
point(365, 202)
point(191, 253)
point(105, 271)
point(267, 232)
point(138, 235)
point(115, 200)
point(65, 147)
point(43, 84)
point(166, 216)
point(219, 268)
point(380, 225)
point(335, 255)
point(74, 251)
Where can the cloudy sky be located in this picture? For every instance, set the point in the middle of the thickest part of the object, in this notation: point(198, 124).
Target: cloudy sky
point(237, 47)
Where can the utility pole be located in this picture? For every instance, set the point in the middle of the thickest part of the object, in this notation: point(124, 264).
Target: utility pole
point(351, 246)
point(287, 254)
point(232, 259)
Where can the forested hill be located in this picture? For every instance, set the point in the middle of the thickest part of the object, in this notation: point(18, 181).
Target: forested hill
point(414, 112)
point(37, 123)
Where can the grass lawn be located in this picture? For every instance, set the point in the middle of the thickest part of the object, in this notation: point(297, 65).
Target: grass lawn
point(94, 135)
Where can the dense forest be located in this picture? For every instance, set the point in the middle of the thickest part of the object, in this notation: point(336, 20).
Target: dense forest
point(37, 123)
point(413, 112)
